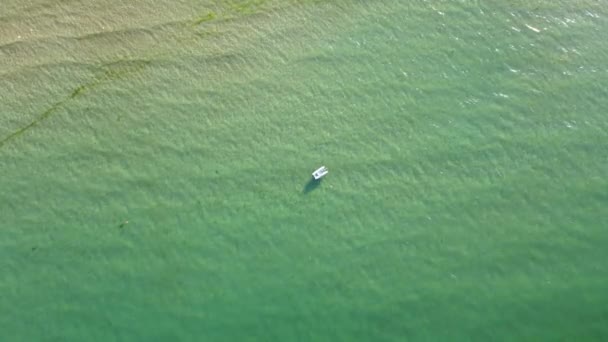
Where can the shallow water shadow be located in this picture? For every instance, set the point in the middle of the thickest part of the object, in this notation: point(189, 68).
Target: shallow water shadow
point(311, 185)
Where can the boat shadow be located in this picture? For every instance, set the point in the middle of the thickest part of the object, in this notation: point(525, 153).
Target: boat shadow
point(311, 185)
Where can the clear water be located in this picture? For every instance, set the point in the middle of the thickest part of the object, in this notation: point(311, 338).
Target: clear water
point(155, 159)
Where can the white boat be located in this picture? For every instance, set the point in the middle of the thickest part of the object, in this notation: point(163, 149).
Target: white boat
point(320, 172)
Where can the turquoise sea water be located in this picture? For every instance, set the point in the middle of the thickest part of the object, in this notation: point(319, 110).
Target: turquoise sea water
point(155, 159)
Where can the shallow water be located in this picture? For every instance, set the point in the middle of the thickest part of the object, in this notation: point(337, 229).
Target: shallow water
point(156, 157)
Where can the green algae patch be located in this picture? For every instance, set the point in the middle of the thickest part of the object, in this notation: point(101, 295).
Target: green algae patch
point(110, 72)
point(78, 91)
point(205, 18)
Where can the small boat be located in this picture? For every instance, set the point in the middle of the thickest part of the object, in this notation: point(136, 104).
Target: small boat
point(320, 173)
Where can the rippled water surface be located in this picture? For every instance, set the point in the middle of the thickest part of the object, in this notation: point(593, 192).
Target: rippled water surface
point(155, 161)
